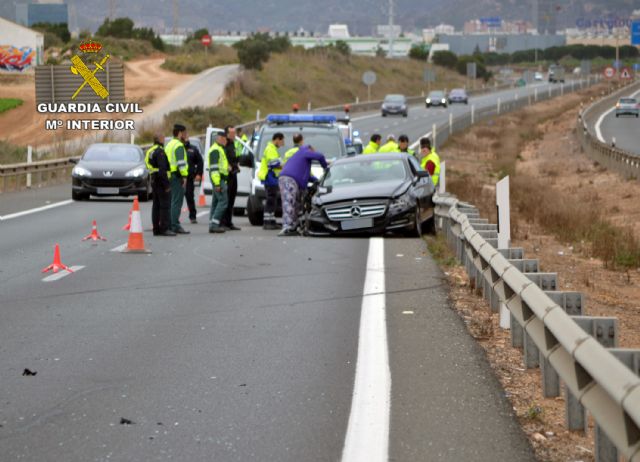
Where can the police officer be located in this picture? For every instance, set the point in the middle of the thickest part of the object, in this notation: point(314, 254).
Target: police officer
point(390, 145)
point(219, 172)
point(194, 159)
point(158, 167)
point(243, 137)
point(430, 160)
point(230, 150)
point(270, 167)
point(403, 145)
point(298, 139)
point(374, 144)
point(179, 167)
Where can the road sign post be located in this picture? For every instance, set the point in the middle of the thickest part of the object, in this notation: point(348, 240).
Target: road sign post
point(206, 41)
point(369, 78)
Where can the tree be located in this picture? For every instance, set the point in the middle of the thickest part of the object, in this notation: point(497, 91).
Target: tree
point(380, 53)
point(445, 59)
point(60, 30)
point(342, 47)
point(198, 34)
point(119, 28)
point(252, 53)
point(419, 52)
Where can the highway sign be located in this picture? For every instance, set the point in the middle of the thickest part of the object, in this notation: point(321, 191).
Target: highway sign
point(635, 33)
point(429, 75)
point(609, 72)
point(494, 21)
point(625, 73)
point(471, 70)
point(369, 78)
point(206, 40)
point(636, 67)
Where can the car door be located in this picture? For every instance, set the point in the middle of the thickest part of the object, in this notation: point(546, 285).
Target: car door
point(422, 189)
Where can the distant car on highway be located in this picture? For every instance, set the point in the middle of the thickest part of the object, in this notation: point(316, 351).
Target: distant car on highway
point(394, 104)
point(372, 194)
point(458, 95)
point(111, 169)
point(627, 106)
point(436, 98)
point(556, 73)
point(538, 77)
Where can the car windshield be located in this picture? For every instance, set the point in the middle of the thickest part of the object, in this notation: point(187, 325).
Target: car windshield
point(394, 99)
point(367, 170)
point(112, 153)
point(457, 92)
point(628, 101)
point(327, 141)
point(436, 95)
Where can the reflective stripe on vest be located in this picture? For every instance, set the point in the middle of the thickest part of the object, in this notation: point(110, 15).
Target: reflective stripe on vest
point(177, 164)
point(147, 158)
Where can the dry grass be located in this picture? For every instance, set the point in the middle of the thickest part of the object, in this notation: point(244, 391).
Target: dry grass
point(198, 61)
point(325, 79)
point(573, 216)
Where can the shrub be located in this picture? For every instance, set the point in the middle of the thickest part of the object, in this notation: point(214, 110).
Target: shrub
point(419, 52)
point(445, 59)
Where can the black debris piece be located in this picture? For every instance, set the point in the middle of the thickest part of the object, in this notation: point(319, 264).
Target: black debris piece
point(28, 372)
point(242, 385)
point(160, 423)
point(124, 421)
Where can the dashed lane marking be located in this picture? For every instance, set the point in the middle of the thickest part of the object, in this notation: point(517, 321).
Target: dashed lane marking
point(36, 210)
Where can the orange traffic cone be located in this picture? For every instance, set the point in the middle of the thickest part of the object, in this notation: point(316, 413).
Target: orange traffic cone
point(202, 201)
point(136, 239)
point(57, 264)
point(95, 235)
point(127, 227)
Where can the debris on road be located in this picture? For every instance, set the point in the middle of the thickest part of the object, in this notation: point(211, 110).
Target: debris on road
point(28, 372)
point(124, 421)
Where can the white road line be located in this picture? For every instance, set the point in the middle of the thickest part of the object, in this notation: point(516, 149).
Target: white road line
point(61, 274)
point(605, 114)
point(203, 213)
point(120, 248)
point(367, 438)
point(36, 210)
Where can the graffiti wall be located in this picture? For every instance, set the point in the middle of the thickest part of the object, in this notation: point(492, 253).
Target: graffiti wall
point(16, 59)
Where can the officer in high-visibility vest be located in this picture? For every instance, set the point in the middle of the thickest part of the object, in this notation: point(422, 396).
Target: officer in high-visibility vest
point(196, 166)
point(430, 160)
point(390, 145)
point(403, 145)
point(219, 172)
point(177, 155)
point(270, 167)
point(232, 177)
point(374, 144)
point(158, 167)
point(297, 143)
point(243, 136)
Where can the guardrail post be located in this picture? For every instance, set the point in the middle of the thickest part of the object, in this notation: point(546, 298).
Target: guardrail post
point(450, 123)
point(605, 331)
point(357, 100)
point(133, 138)
point(498, 106)
point(442, 180)
point(504, 235)
point(29, 161)
point(258, 115)
point(309, 106)
point(473, 114)
point(434, 133)
point(535, 94)
point(550, 90)
point(561, 89)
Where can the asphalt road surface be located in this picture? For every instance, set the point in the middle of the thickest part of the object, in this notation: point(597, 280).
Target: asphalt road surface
point(236, 347)
point(623, 129)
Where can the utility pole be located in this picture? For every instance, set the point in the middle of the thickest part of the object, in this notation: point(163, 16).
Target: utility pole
point(391, 32)
point(175, 17)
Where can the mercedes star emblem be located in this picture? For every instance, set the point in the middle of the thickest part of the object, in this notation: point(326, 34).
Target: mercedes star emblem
point(355, 211)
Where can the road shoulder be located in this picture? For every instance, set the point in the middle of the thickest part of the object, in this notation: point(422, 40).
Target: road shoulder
point(446, 403)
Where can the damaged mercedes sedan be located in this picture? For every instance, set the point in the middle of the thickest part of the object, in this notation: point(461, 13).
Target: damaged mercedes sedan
point(373, 194)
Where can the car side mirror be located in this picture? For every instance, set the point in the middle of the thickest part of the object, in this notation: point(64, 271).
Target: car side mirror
point(422, 174)
point(351, 151)
point(325, 189)
point(246, 160)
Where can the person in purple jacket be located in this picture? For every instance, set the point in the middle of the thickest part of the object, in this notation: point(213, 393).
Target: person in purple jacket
point(293, 179)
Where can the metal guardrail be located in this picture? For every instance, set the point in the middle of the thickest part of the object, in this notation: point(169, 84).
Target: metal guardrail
point(615, 159)
point(571, 348)
point(19, 172)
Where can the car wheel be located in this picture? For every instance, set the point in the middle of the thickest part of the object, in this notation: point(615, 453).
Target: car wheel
point(417, 226)
point(255, 216)
point(428, 106)
point(405, 114)
point(444, 105)
point(617, 115)
point(384, 114)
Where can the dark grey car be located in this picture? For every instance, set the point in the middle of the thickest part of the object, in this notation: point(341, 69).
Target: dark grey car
point(394, 104)
point(111, 169)
point(373, 194)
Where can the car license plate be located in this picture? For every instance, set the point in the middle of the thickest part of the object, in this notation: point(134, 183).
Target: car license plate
point(108, 191)
point(357, 224)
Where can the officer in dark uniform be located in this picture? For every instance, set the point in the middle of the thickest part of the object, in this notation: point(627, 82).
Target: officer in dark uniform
point(159, 168)
point(196, 165)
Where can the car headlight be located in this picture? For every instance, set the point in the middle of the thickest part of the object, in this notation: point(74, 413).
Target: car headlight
point(428, 100)
point(444, 100)
point(80, 171)
point(135, 173)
